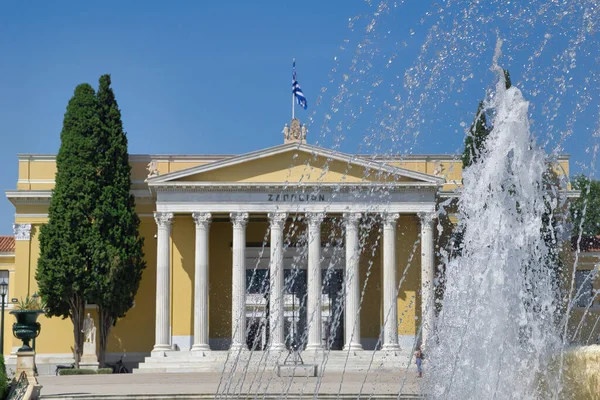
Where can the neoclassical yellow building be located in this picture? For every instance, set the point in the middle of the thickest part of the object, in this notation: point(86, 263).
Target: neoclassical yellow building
point(251, 251)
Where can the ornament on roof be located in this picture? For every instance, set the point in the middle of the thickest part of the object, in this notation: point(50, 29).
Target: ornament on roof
point(296, 133)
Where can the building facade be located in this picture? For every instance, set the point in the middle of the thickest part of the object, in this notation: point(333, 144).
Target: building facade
point(285, 245)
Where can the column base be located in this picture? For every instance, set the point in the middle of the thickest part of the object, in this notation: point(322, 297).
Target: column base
point(390, 347)
point(277, 347)
point(160, 350)
point(237, 347)
point(200, 348)
point(353, 347)
point(314, 347)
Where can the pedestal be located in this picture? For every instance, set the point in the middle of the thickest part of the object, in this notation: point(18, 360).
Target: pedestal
point(30, 387)
point(89, 359)
point(26, 363)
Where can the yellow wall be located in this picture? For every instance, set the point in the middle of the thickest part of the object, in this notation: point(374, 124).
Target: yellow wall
point(408, 267)
point(135, 332)
point(7, 263)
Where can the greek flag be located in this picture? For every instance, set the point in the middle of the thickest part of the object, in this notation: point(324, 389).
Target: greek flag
point(297, 91)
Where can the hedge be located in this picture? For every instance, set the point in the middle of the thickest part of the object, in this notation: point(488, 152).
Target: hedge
point(73, 371)
point(4, 381)
point(102, 371)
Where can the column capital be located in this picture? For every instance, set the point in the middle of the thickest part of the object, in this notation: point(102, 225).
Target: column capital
point(315, 218)
point(22, 231)
point(202, 218)
point(239, 219)
point(163, 219)
point(390, 218)
point(277, 218)
point(427, 218)
point(352, 218)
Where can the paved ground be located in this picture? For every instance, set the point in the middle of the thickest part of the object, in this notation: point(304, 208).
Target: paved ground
point(210, 385)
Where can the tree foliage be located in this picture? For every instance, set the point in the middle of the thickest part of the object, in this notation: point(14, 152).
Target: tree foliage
point(475, 140)
point(90, 249)
point(479, 131)
point(67, 242)
point(118, 260)
point(585, 211)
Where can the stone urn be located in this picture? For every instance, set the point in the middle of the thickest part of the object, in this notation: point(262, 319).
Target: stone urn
point(26, 328)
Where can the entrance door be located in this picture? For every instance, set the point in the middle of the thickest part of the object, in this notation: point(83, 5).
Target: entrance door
point(295, 292)
point(333, 311)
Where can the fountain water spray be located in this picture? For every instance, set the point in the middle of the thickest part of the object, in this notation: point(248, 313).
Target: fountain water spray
point(496, 331)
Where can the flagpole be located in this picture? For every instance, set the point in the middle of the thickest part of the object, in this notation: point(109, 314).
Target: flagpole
point(293, 68)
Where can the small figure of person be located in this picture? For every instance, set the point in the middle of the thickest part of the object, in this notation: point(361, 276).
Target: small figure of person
point(419, 361)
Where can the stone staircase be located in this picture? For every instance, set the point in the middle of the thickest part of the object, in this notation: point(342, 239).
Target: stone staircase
point(228, 362)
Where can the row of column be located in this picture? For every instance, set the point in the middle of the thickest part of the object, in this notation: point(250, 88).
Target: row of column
point(276, 297)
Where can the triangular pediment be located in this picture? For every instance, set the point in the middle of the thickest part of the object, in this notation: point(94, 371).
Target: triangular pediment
point(295, 163)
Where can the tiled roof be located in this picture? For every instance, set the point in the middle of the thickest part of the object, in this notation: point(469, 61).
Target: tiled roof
point(588, 243)
point(7, 244)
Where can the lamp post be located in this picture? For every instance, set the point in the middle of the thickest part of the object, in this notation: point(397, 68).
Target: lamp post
point(3, 292)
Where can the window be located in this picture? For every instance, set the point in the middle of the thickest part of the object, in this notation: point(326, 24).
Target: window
point(584, 287)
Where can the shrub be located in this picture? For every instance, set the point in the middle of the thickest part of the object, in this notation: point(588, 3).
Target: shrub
point(102, 371)
point(4, 381)
point(73, 371)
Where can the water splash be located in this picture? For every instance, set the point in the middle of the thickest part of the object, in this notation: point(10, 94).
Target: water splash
point(497, 328)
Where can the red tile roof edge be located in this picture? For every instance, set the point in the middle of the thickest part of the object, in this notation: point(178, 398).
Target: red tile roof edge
point(587, 244)
point(7, 244)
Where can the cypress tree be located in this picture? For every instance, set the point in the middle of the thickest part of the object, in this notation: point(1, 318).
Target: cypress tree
point(474, 147)
point(475, 141)
point(66, 241)
point(507, 79)
point(119, 259)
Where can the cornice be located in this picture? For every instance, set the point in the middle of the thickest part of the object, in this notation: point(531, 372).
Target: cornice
point(42, 197)
point(7, 254)
point(287, 187)
point(569, 194)
point(216, 157)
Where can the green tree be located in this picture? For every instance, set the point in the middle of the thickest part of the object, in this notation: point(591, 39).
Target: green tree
point(507, 80)
point(585, 211)
point(118, 261)
point(479, 131)
point(475, 140)
point(66, 241)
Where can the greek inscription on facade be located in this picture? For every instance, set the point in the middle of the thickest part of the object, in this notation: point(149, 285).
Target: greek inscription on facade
point(296, 197)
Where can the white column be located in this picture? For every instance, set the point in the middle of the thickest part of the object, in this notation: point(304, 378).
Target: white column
point(276, 305)
point(163, 285)
point(202, 221)
point(313, 303)
point(390, 284)
point(238, 284)
point(427, 276)
point(351, 279)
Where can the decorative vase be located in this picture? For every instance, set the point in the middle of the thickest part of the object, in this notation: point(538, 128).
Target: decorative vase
point(26, 328)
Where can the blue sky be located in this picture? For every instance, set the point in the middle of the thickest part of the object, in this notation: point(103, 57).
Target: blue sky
point(215, 77)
